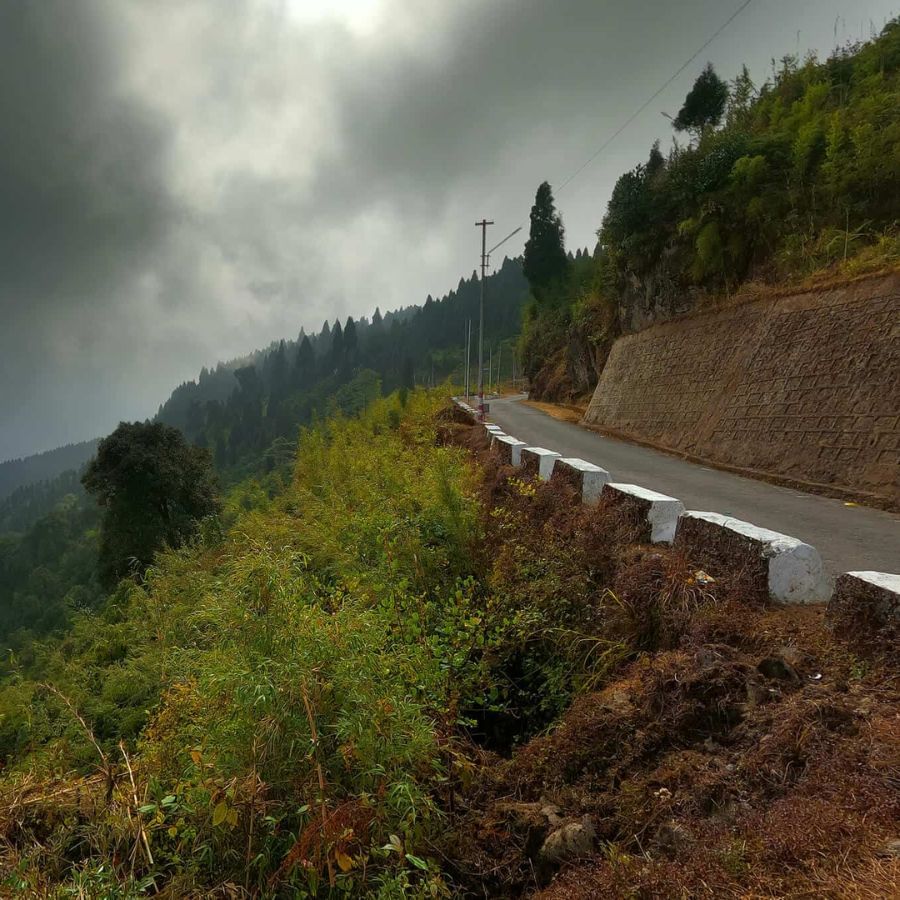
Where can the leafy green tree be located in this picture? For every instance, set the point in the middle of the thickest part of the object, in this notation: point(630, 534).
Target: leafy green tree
point(704, 105)
point(545, 252)
point(153, 488)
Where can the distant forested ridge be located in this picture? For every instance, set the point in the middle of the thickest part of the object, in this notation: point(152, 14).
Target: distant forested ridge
point(247, 414)
point(26, 504)
point(43, 466)
point(768, 183)
point(238, 411)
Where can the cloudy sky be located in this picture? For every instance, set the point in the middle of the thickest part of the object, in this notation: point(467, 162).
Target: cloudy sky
point(182, 181)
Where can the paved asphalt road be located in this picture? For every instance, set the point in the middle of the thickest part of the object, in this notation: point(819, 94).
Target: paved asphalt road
point(848, 538)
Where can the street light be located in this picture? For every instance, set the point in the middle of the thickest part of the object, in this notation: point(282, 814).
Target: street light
point(485, 256)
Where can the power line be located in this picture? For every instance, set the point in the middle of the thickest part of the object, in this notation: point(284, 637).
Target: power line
point(653, 97)
point(607, 142)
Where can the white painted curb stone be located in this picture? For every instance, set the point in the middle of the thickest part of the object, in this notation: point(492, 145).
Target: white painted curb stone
point(795, 570)
point(584, 476)
point(540, 459)
point(660, 511)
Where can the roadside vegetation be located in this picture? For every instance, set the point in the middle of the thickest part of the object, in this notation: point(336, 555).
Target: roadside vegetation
point(410, 673)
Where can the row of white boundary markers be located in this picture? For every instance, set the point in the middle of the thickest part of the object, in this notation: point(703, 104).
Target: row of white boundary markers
point(795, 573)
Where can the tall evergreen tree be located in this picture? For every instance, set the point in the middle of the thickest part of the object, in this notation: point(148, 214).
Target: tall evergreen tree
point(407, 374)
point(279, 371)
point(656, 162)
point(545, 252)
point(351, 343)
point(304, 364)
point(705, 103)
point(337, 346)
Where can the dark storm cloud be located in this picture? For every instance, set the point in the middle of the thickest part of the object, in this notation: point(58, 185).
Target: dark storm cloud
point(83, 199)
point(81, 173)
point(184, 180)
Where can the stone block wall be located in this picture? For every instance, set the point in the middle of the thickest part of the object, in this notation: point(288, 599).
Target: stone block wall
point(805, 386)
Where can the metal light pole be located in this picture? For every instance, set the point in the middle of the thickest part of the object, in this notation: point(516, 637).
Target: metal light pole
point(483, 224)
point(468, 343)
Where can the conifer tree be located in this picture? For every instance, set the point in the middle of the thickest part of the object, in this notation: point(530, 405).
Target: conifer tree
point(351, 341)
point(337, 346)
point(304, 364)
point(545, 253)
point(705, 103)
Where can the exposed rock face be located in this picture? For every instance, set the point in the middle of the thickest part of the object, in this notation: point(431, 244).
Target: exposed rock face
point(651, 297)
point(574, 840)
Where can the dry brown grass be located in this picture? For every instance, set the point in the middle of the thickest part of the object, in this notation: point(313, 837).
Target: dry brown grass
point(779, 781)
point(565, 412)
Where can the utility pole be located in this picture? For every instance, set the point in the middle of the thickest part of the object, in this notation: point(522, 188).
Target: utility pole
point(483, 225)
point(490, 367)
point(499, 361)
point(468, 343)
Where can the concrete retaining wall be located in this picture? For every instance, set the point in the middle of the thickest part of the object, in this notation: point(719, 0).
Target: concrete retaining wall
point(806, 386)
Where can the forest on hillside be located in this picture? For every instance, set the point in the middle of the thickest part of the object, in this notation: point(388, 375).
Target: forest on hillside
point(247, 415)
point(404, 671)
point(768, 183)
point(17, 473)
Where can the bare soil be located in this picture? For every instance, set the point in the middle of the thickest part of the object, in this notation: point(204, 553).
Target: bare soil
point(738, 750)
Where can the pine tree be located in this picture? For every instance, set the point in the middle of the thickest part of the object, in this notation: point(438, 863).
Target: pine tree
point(705, 103)
point(545, 260)
point(304, 364)
point(350, 343)
point(656, 162)
point(279, 371)
point(337, 346)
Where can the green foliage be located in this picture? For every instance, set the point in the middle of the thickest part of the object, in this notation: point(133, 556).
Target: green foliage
point(305, 662)
point(49, 572)
point(545, 260)
point(153, 489)
point(813, 156)
point(705, 103)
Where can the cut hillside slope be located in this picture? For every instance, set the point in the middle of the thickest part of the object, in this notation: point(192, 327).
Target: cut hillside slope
point(721, 748)
point(408, 672)
point(797, 178)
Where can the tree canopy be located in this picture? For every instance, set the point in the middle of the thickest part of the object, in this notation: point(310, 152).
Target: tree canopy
point(704, 105)
point(545, 253)
point(153, 488)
